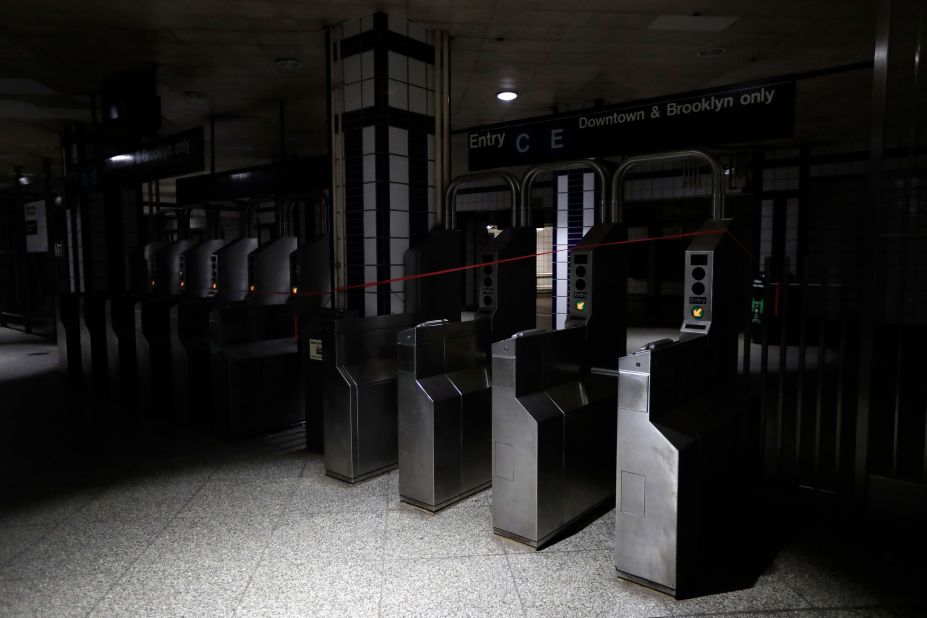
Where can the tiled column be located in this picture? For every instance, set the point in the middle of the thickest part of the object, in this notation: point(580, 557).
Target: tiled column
point(383, 110)
point(574, 204)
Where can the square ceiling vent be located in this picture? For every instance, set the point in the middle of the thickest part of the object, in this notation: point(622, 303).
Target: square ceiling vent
point(692, 23)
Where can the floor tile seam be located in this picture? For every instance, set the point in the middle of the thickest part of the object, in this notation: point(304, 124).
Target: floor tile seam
point(797, 591)
point(521, 602)
point(260, 561)
point(771, 611)
point(409, 507)
point(383, 537)
point(5, 563)
point(151, 541)
point(766, 612)
point(553, 552)
point(48, 532)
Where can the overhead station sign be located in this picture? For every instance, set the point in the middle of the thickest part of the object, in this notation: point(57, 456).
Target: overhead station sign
point(175, 155)
point(729, 115)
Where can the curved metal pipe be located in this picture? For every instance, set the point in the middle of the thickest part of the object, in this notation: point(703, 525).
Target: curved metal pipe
point(450, 194)
point(596, 167)
point(717, 179)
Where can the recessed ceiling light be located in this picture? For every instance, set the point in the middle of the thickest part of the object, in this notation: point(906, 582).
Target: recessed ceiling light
point(288, 64)
point(506, 95)
point(712, 51)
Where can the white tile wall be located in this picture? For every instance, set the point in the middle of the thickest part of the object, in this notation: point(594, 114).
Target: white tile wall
point(352, 69)
point(369, 135)
point(417, 73)
point(399, 226)
point(399, 196)
point(352, 97)
point(367, 65)
point(399, 169)
point(561, 258)
point(368, 93)
point(370, 195)
point(545, 238)
point(370, 223)
point(370, 252)
point(398, 248)
point(398, 141)
point(370, 168)
point(418, 102)
point(398, 95)
point(398, 66)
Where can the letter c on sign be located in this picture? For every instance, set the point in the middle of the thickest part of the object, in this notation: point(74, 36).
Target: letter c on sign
point(522, 148)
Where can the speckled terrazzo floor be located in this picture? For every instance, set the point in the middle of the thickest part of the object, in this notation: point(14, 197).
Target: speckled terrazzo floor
point(150, 526)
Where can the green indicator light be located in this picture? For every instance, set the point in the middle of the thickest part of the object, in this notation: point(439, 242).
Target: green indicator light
point(580, 305)
point(698, 312)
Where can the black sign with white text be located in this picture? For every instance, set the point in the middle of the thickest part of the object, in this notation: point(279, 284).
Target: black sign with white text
point(174, 155)
point(733, 114)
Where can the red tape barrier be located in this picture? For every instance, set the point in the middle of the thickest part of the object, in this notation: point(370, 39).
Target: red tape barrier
point(446, 271)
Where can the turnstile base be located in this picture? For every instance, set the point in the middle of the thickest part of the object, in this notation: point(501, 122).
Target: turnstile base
point(646, 582)
point(434, 508)
point(575, 525)
point(361, 477)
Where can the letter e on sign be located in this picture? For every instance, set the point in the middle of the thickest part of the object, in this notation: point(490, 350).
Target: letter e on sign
point(556, 138)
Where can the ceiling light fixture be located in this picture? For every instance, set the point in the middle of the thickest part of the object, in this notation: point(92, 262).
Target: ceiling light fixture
point(506, 95)
point(712, 51)
point(288, 64)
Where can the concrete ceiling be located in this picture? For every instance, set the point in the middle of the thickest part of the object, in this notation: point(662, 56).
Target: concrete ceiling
point(561, 54)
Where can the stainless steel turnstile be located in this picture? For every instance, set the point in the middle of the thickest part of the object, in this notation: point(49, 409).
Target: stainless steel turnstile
point(553, 395)
point(445, 410)
point(553, 449)
point(152, 324)
point(352, 369)
point(228, 270)
point(253, 346)
point(444, 372)
point(676, 432)
point(189, 324)
point(359, 392)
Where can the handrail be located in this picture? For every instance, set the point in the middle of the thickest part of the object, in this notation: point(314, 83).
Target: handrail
point(450, 194)
point(583, 164)
point(717, 176)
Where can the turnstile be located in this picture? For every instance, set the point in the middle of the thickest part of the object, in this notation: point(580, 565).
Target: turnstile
point(552, 424)
point(444, 374)
point(122, 357)
point(189, 326)
point(352, 373)
point(355, 376)
point(445, 411)
point(68, 336)
point(678, 465)
point(253, 348)
point(152, 326)
point(228, 270)
point(553, 395)
point(91, 307)
point(310, 283)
